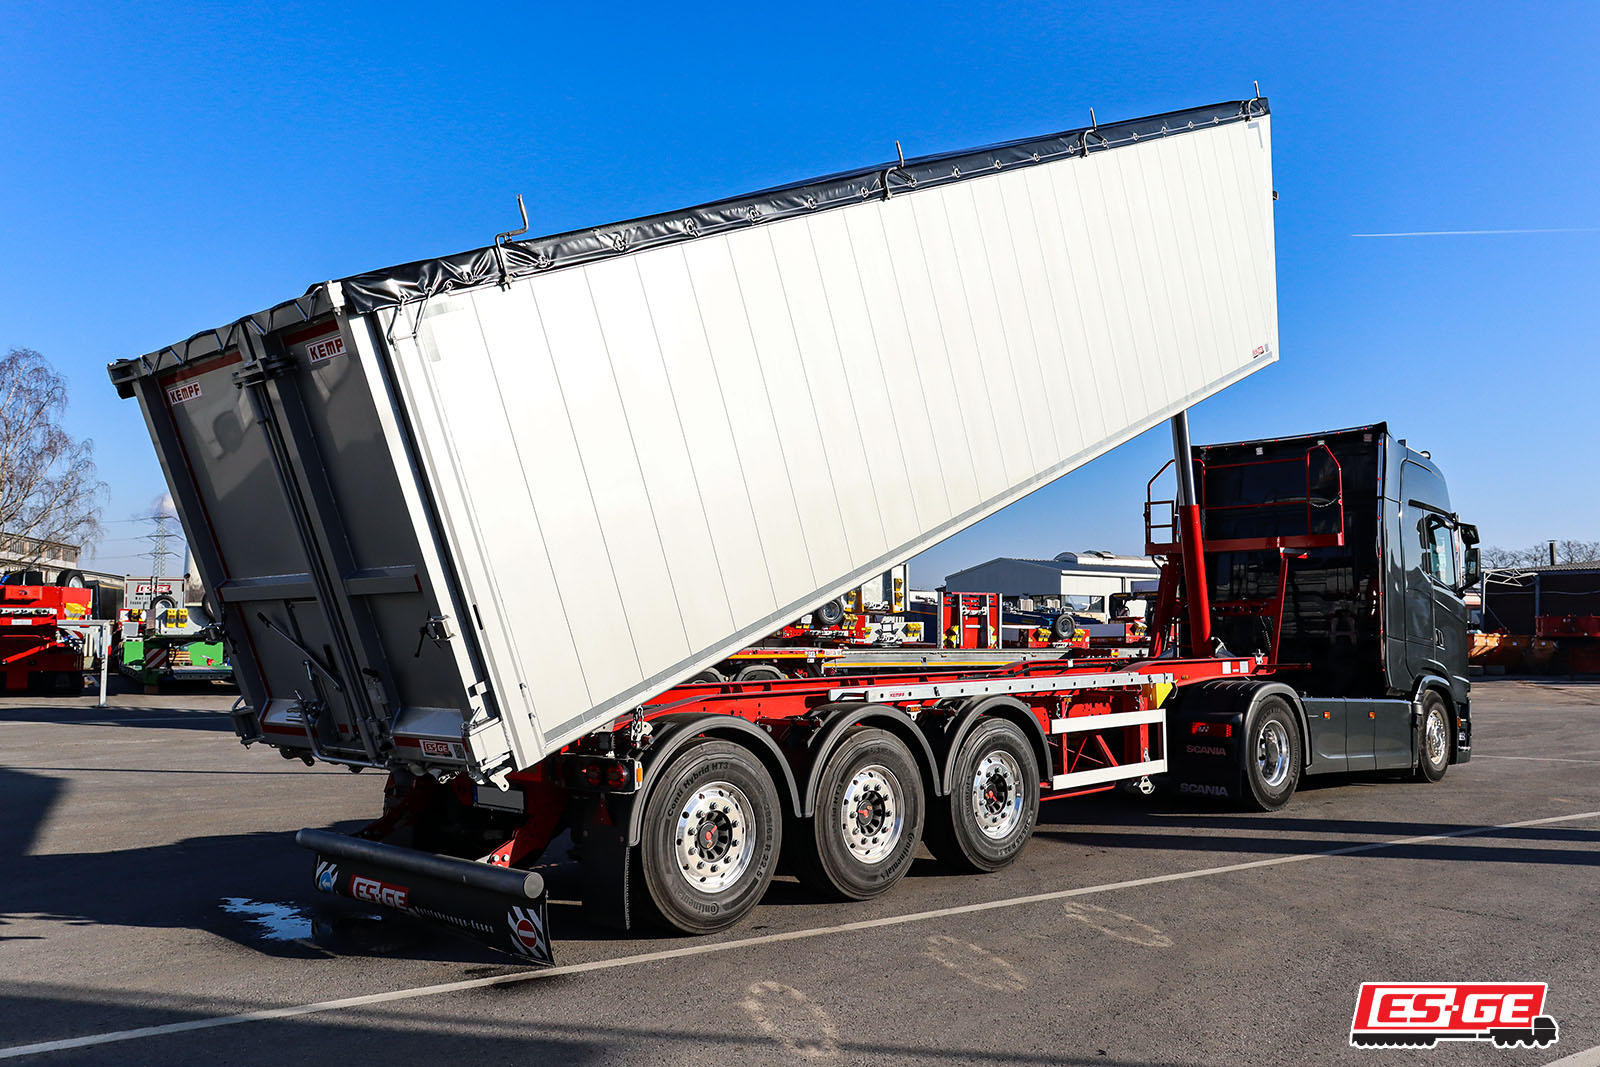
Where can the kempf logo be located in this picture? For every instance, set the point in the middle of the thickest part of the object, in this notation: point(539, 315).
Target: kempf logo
point(179, 394)
point(376, 892)
point(318, 351)
point(1420, 1015)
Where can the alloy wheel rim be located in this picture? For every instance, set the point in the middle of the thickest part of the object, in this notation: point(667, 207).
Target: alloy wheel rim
point(997, 794)
point(711, 848)
point(1438, 737)
point(871, 815)
point(1272, 754)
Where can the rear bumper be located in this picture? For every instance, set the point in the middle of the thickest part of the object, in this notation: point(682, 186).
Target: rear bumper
point(502, 908)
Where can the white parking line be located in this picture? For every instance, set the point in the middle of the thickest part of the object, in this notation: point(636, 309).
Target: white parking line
point(1589, 1057)
point(295, 1010)
point(1541, 759)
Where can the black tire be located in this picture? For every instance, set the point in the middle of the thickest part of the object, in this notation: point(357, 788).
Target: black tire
point(1061, 629)
point(868, 820)
point(718, 788)
point(993, 805)
point(1433, 741)
point(759, 672)
point(829, 614)
point(71, 580)
point(710, 674)
point(1272, 755)
point(158, 605)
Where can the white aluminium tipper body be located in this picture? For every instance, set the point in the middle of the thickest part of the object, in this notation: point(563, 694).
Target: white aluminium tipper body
point(647, 463)
point(457, 513)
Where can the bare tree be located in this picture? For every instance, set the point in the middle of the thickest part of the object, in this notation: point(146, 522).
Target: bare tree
point(48, 488)
point(1577, 551)
point(1496, 557)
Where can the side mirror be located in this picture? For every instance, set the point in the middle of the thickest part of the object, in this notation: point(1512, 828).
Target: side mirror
point(1472, 568)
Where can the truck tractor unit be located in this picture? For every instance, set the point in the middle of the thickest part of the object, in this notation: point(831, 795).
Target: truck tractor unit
point(1336, 558)
point(478, 523)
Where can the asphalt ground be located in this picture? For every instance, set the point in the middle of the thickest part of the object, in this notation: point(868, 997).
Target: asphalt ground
point(151, 895)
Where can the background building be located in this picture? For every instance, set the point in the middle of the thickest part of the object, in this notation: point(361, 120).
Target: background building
point(1083, 581)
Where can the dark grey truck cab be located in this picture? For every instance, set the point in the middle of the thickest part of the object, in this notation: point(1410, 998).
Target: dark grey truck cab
point(1371, 638)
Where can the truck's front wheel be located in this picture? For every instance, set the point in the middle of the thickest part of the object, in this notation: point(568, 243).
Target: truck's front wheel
point(1433, 755)
point(712, 834)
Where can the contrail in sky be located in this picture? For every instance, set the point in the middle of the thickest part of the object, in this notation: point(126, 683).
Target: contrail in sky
point(1477, 233)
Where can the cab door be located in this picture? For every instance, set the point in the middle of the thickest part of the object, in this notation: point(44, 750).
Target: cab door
point(1441, 553)
point(1422, 648)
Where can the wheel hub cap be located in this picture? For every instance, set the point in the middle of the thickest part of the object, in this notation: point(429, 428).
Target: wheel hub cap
point(1438, 737)
point(1272, 754)
point(997, 794)
point(710, 837)
point(870, 814)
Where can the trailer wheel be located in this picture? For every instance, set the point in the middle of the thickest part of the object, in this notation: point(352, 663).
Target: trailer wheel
point(713, 829)
point(1063, 626)
point(759, 672)
point(710, 674)
point(993, 803)
point(1433, 756)
point(868, 821)
point(1272, 755)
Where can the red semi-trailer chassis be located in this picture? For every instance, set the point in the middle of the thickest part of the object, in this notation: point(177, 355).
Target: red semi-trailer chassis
point(1089, 724)
point(703, 781)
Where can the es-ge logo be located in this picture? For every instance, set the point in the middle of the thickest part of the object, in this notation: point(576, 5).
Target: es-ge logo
point(1422, 1014)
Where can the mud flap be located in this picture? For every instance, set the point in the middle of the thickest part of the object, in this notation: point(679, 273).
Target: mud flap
point(502, 908)
point(607, 868)
point(1206, 760)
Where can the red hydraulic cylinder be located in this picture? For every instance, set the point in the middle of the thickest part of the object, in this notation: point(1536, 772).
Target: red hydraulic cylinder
point(1191, 542)
point(1195, 591)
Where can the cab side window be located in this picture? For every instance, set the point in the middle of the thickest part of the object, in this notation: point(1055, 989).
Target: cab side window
point(1439, 550)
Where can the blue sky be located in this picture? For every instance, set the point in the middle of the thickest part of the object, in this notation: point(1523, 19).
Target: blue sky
point(167, 170)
